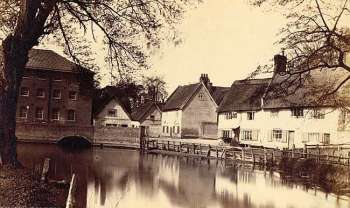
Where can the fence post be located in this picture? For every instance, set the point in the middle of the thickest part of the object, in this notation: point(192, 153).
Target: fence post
point(208, 154)
point(188, 149)
point(194, 148)
point(265, 157)
point(200, 149)
point(180, 149)
point(305, 150)
point(217, 152)
point(243, 156)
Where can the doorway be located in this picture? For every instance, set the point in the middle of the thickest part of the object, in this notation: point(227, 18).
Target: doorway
point(290, 139)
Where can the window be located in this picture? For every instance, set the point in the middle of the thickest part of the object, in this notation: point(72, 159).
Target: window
point(112, 113)
point(277, 135)
point(247, 135)
point(152, 117)
point(40, 93)
point(326, 138)
point(274, 113)
point(23, 111)
point(201, 96)
point(24, 91)
point(167, 129)
point(111, 125)
point(55, 114)
point(71, 115)
point(297, 112)
point(313, 137)
point(230, 115)
point(163, 129)
point(39, 113)
point(318, 114)
point(250, 115)
point(178, 130)
point(73, 95)
point(226, 134)
point(56, 94)
point(124, 125)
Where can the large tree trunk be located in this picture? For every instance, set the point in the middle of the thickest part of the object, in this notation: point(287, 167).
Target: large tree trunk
point(14, 59)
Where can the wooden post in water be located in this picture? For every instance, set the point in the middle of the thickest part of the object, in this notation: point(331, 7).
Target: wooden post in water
point(188, 148)
point(194, 148)
point(305, 150)
point(273, 157)
point(200, 149)
point(168, 145)
point(242, 155)
point(217, 152)
point(265, 157)
point(208, 154)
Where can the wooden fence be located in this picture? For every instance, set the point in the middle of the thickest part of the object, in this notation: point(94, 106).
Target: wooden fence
point(245, 154)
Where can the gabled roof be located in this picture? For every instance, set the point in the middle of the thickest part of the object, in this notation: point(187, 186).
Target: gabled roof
point(284, 93)
point(143, 111)
point(178, 99)
point(102, 102)
point(244, 95)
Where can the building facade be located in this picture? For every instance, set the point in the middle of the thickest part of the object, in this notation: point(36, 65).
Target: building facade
point(252, 113)
point(54, 91)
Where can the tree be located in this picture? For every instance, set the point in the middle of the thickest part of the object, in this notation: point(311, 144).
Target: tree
point(156, 88)
point(124, 24)
point(316, 39)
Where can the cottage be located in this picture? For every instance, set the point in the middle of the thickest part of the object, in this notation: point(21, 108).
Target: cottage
point(111, 112)
point(149, 116)
point(257, 112)
point(190, 111)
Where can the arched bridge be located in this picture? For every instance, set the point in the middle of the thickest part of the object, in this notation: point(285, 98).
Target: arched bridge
point(51, 133)
point(91, 135)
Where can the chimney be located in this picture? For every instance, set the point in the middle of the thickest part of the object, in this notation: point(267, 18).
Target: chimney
point(206, 81)
point(280, 62)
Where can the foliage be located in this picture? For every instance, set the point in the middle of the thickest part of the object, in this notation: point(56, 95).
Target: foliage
point(155, 88)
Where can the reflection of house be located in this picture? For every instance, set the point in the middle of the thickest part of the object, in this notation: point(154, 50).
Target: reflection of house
point(257, 114)
point(111, 112)
point(54, 91)
point(190, 111)
point(149, 115)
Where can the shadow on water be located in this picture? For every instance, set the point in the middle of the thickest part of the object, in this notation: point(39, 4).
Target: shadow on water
point(74, 143)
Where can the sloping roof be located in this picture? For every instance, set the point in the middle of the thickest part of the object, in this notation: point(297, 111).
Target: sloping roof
point(180, 96)
point(244, 95)
point(143, 111)
point(218, 93)
point(103, 101)
point(49, 60)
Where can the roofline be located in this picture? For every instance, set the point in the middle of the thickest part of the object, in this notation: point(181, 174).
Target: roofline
point(191, 97)
point(55, 70)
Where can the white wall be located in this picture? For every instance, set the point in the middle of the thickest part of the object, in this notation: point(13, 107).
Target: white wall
point(170, 119)
point(122, 118)
point(264, 123)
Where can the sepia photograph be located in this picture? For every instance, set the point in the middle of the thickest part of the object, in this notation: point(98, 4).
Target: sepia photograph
point(175, 103)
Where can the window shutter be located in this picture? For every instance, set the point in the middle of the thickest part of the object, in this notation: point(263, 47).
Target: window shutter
point(269, 136)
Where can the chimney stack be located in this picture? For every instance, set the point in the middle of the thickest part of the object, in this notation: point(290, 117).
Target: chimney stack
point(206, 81)
point(280, 63)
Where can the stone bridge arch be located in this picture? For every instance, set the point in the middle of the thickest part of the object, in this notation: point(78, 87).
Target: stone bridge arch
point(75, 141)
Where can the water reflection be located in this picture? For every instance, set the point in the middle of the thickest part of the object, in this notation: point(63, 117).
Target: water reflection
point(126, 178)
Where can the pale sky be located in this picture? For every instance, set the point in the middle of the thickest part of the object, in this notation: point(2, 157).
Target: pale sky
point(226, 39)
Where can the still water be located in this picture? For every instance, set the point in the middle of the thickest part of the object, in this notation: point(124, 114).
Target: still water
point(127, 179)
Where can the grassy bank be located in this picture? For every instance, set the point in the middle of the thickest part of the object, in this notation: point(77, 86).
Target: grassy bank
point(330, 177)
point(18, 188)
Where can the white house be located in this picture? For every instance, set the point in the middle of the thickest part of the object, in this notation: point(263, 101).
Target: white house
point(112, 113)
point(253, 112)
point(190, 111)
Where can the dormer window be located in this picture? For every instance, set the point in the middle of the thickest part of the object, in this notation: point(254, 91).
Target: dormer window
point(318, 114)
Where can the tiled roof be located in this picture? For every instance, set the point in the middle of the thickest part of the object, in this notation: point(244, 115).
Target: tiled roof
point(143, 111)
point(244, 95)
point(180, 96)
point(49, 60)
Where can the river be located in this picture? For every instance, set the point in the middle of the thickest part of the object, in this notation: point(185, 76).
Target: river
point(127, 179)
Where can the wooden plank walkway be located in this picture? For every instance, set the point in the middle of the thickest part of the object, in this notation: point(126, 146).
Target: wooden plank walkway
point(255, 155)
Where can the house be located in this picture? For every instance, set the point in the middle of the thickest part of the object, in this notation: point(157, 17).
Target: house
point(109, 111)
point(54, 91)
point(149, 116)
point(264, 112)
point(190, 111)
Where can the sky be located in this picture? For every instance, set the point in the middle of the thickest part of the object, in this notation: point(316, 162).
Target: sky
point(226, 39)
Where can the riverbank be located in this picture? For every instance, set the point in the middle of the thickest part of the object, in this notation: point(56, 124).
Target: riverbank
point(19, 188)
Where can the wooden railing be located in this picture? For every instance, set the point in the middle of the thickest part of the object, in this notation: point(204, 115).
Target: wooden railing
point(245, 154)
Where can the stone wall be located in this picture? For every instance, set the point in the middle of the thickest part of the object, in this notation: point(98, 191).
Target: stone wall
point(117, 136)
